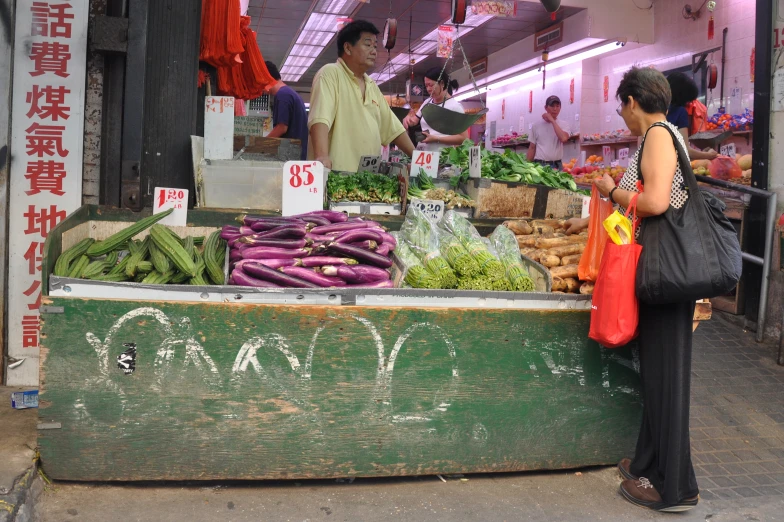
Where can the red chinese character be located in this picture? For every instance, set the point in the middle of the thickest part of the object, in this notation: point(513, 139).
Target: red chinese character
point(53, 107)
point(45, 140)
point(34, 256)
point(50, 57)
point(43, 13)
point(33, 288)
point(37, 304)
point(45, 176)
point(30, 331)
point(44, 221)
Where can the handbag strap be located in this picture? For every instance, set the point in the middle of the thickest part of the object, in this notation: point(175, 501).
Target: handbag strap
point(632, 209)
point(683, 160)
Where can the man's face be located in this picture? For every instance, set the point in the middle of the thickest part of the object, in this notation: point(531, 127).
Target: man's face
point(363, 54)
point(554, 109)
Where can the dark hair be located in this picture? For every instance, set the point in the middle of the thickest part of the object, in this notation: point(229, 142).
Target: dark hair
point(648, 87)
point(436, 75)
point(352, 32)
point(273, 70)
point(683, 88)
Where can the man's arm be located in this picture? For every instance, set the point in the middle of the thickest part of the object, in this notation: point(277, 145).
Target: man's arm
point(319, 137)
point(531, 154)
point(562, 134)
point(279, 130)
point(403, 143)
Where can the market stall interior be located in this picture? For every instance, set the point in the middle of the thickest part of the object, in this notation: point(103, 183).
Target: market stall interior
point(271, 319)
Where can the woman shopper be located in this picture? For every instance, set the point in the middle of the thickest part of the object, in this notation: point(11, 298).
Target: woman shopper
point(660, 476)
point(440, 88)
point(684, 92)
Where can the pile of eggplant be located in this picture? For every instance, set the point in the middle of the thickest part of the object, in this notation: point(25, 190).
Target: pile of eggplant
point(322, 249)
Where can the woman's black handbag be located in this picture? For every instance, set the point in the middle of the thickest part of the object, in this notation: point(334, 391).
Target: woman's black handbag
point(688, 253)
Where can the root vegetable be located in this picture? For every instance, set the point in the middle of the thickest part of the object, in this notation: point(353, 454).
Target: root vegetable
point(559, 285)
point(543, 230)
point(564, 271)
point(572, 285)
point(571, 260)
point(519, 227)
point(587, 288)
point(559, 241)
point(550, 261)
point(526, 241)
point(554, 223)
point(568, 250)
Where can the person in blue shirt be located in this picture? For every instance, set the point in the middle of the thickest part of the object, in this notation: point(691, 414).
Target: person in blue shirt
point(289, 117)
point(684, 90)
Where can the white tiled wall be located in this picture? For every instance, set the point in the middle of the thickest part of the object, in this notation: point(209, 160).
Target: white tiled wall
point(677, 39)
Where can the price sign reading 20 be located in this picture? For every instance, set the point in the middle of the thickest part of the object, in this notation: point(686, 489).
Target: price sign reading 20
point(298, 172)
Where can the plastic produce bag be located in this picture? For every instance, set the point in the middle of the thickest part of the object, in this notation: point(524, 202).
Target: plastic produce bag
point(725, 168)
point(504, 242)
point(588, 269)
point(619, 228)
point(423, 237)
point(465, 232)
point(413, 273)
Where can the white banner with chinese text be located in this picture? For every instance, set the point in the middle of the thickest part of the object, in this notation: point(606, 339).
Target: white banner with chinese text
point(47, 129)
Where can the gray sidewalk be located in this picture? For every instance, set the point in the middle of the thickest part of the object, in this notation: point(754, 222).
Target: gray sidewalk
point(737, 445)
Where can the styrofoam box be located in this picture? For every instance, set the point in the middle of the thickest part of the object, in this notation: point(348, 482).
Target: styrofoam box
point(356, 207)
point(242, 184)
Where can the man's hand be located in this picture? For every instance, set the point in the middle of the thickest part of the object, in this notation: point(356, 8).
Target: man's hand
point(575, 225)
point(429, 138)
point(548, 117)
point(410, 121)
point(605, 185)
point(326, 161)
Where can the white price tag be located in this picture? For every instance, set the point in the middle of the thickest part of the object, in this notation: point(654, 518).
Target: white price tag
point(606, 153)
point(425, 160)
point(166, 198)
point(303, 187)
point(432, 208)
point(586, 207)
point(614, 163)
point(728, 150)
point(369, 164)
point(623, 154)
point(385, 153)
point(475, 162)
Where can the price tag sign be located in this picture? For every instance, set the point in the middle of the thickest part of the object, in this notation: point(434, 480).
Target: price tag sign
point(425, 160)
point(432, 208)
point(606, 153)
point(728, 150)
point(586, 207)
point(303, 187)
point(369, 164)
point(623, 157)
point(166, 198)
point(615, 163)
point(475, 162)
point(385, 153)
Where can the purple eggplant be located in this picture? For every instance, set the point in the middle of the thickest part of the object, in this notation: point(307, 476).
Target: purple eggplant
point(314, 261)
point(240, 278)
point(274, 276)
point(355, 236)
point(308, 274)
point(235, 255)
point(246, 231)
point(316, 221)
point(384, 249)
point(367, 245)
point(272, 263)
point(332, 215)
point(378, 284)
point(273, 253)
point(360, 274)
point(287, 232)
point(386, 237)
point(344, 227)
point(250, 219)
point(230, 233)
point(360, 254)
point(273, 242)
point(318, 237)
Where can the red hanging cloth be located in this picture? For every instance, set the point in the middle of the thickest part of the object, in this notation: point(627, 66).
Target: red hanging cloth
point(249, 78)
point(221, 39)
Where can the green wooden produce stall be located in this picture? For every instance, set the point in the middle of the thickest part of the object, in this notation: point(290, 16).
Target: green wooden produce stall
point(239, 383)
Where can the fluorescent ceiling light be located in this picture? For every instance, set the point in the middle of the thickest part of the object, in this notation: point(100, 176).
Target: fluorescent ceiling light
point(335, 6)
point(321, 22)
point(534, 70)
point(306, 50)
point(315, 38)
point(425, 47)
point(299, 61)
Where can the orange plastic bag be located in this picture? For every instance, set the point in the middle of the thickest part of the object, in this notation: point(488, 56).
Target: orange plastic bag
point(725, 168)
point(588, 269)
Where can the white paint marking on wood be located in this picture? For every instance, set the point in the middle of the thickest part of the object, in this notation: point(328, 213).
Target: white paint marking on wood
point(548, 360)
point(247, 353)
point(194, 351)
point(379, 343)
point(311, 349)
point(410, 418)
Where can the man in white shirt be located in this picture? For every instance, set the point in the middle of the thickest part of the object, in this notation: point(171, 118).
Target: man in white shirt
point(548, 136)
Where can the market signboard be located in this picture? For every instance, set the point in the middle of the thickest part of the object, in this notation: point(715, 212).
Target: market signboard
point(50, 54)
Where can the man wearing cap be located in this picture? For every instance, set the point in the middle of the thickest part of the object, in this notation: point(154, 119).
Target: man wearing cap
point(548, 136)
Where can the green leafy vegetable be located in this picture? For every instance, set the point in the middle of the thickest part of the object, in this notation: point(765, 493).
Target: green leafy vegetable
point(366, 187)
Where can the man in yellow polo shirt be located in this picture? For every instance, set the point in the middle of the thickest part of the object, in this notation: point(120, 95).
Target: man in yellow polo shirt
point(349, 117)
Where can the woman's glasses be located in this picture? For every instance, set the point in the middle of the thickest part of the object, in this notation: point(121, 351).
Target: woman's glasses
point(619, 109)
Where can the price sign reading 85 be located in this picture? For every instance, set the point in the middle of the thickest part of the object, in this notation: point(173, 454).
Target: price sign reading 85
point(425, 160)
point(166, 198)
point(303, 187)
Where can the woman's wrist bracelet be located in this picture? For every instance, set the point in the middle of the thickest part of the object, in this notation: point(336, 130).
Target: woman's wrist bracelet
point(610, 195)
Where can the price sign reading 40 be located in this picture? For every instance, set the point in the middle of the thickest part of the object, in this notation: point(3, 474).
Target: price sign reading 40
point(425, 160)
point(303, 187)
point(166, 198)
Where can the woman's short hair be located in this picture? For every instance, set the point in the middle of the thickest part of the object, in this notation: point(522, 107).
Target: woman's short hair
point(648, 87)
point(683, 88)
